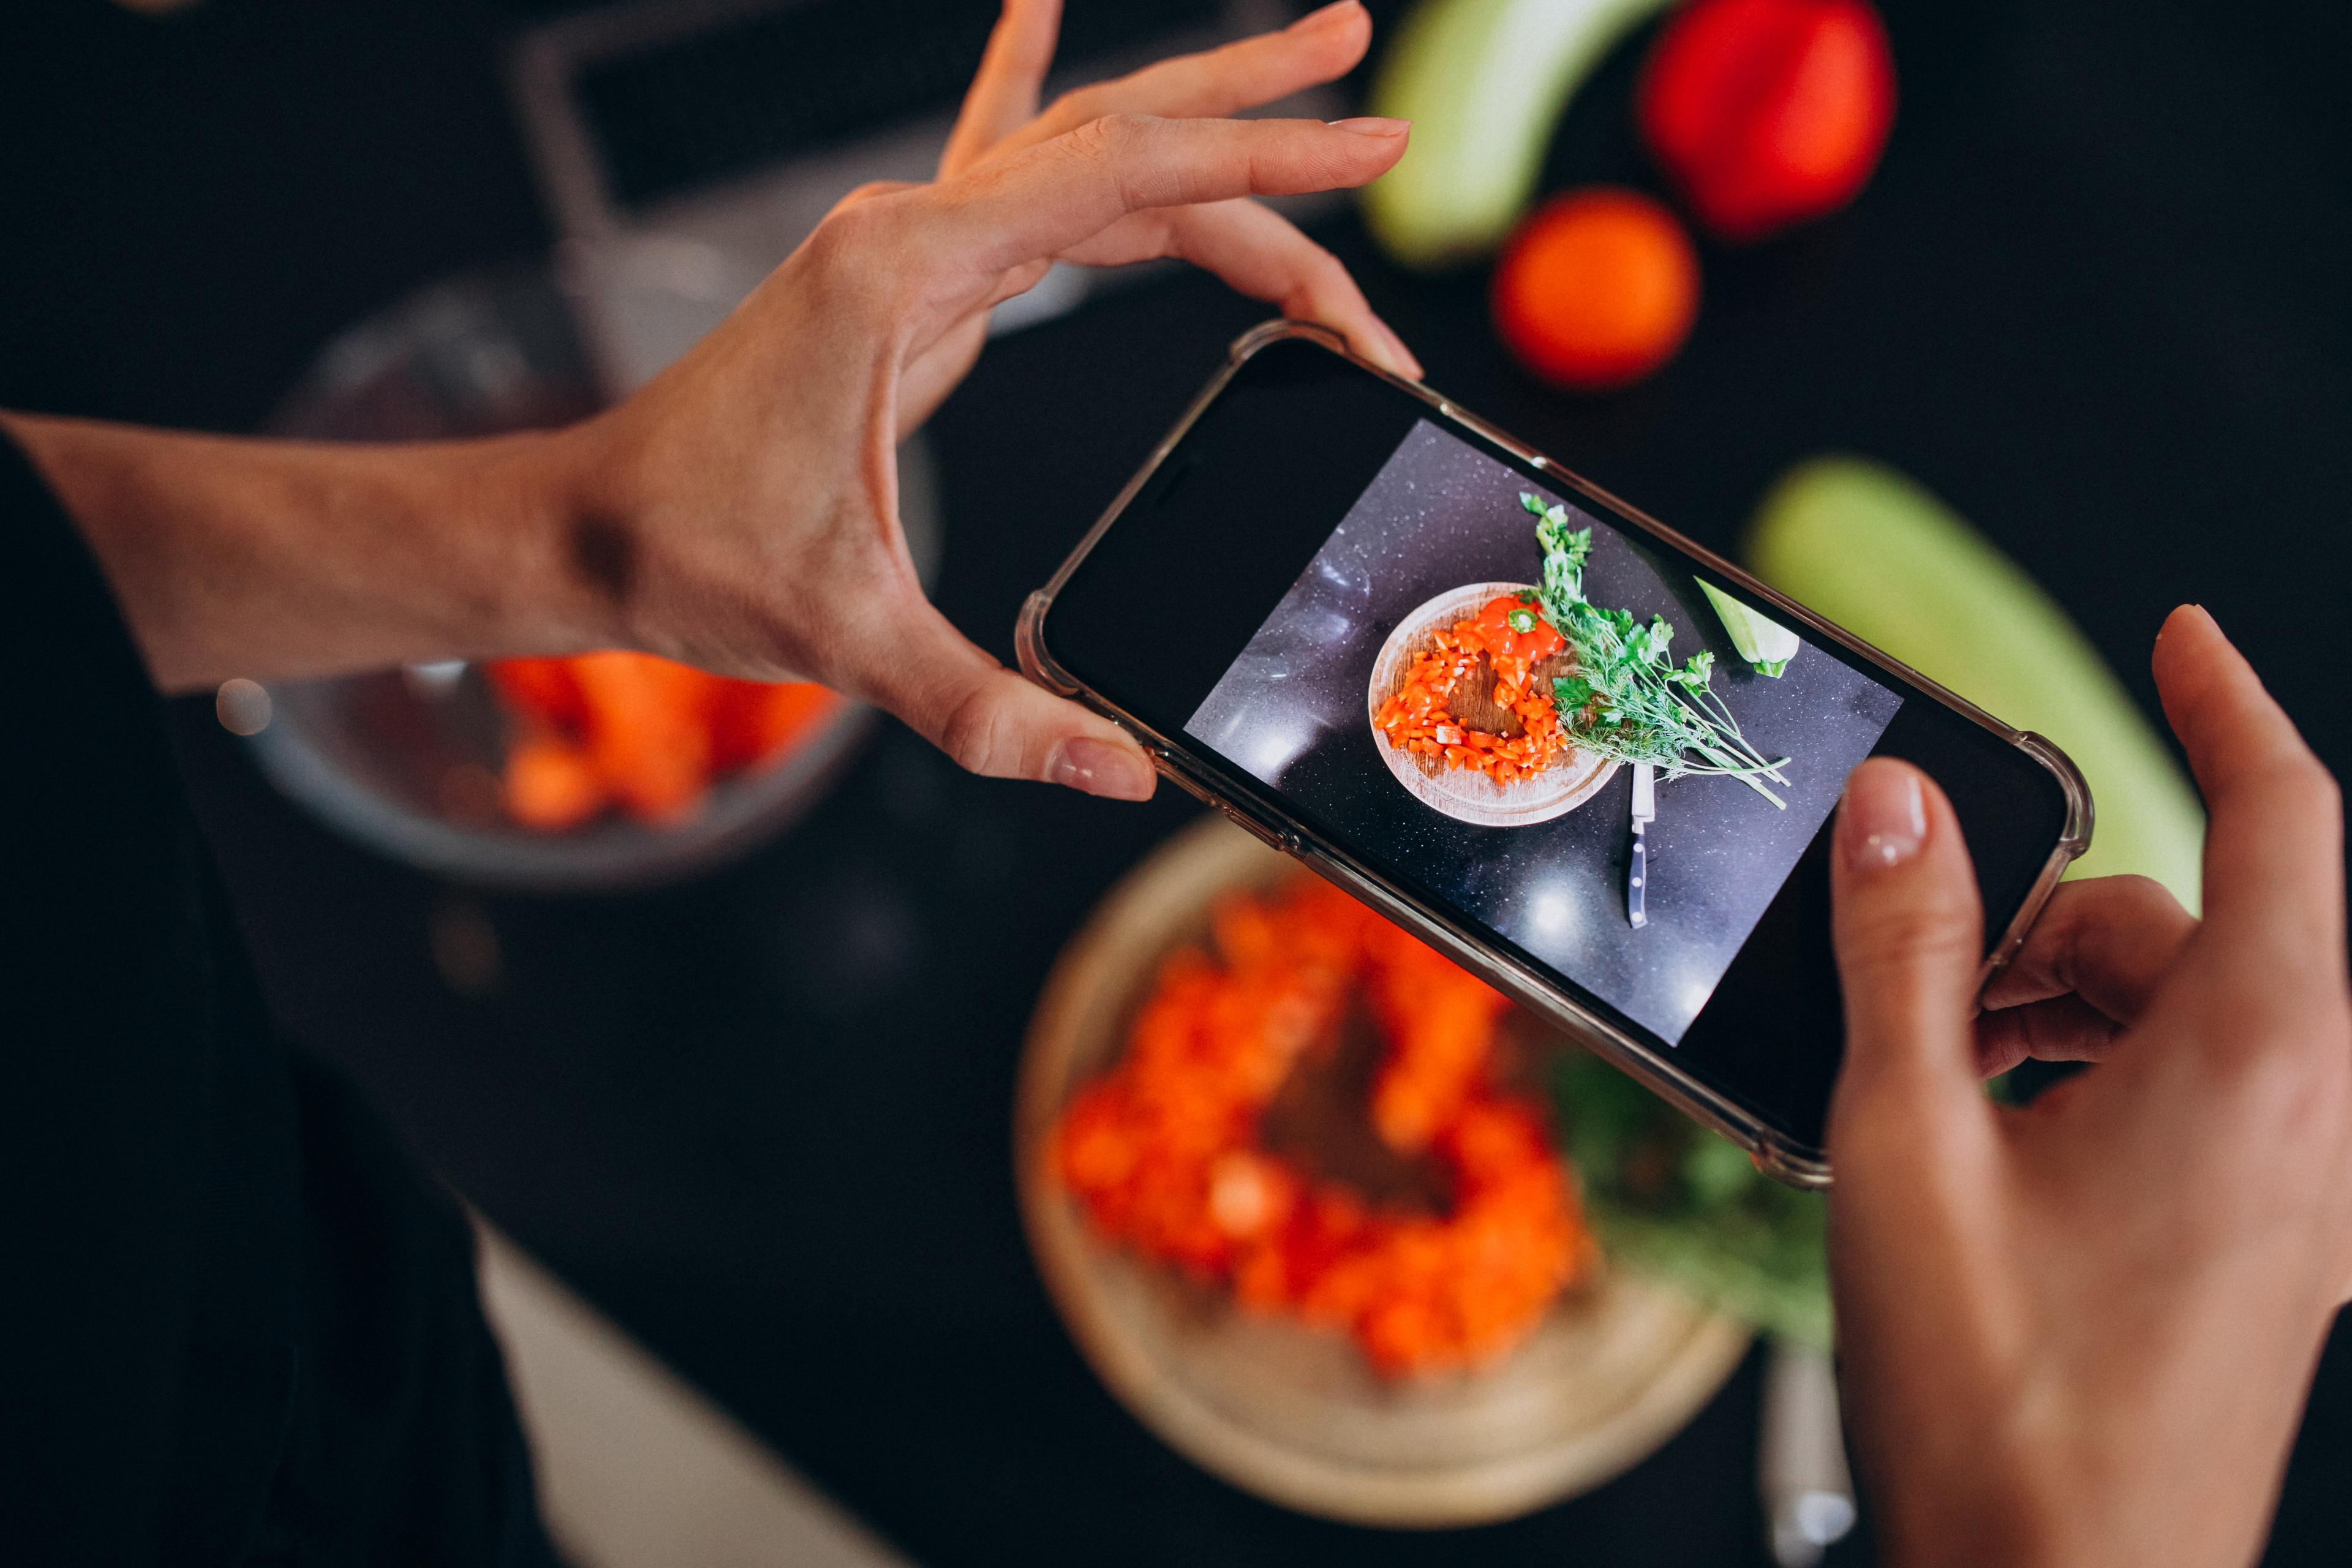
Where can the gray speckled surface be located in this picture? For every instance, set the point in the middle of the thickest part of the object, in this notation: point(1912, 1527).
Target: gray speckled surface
point(1291, 712)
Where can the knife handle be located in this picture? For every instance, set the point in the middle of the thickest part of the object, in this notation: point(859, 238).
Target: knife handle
point(1637, 903)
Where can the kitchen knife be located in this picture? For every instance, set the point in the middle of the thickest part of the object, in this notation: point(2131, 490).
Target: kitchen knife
point(1646, 811)
point(1801, 1456)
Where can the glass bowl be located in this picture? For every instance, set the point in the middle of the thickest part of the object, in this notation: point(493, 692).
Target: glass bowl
point(406, 760)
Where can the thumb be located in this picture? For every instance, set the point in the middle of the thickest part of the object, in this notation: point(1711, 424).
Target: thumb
point(992, 722)
point(1908, 929)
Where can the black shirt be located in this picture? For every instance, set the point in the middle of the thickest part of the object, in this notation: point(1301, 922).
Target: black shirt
point(236, 1323)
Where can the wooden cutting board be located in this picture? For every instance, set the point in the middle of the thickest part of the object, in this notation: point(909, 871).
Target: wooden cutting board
point(1290, 1412)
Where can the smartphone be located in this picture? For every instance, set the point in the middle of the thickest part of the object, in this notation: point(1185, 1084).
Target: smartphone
point(1589, 759)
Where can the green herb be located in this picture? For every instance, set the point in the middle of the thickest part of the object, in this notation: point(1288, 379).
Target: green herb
point(1669, 1197)
point(1628, 699)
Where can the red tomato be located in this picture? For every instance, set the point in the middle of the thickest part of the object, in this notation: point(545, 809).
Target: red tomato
point(1598, 288)
point(1768, 112)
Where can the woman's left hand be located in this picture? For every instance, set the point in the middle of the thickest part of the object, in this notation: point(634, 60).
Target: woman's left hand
point(753, 483)
point(1257, 250)
point(740, 511)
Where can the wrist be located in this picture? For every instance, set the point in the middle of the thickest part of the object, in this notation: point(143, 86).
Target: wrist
point(574, 551)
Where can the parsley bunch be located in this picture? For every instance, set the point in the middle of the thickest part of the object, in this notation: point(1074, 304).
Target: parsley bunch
point(1628, 699)
point(1686, 1206)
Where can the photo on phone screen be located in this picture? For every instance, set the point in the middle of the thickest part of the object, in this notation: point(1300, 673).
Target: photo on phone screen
point(1435, 692)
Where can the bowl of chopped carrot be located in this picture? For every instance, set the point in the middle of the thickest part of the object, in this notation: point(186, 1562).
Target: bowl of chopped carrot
point(1462, 712)
point(1291, 1179)
point(595, 771)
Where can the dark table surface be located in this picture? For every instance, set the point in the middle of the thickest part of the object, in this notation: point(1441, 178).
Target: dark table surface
point(2095, 299)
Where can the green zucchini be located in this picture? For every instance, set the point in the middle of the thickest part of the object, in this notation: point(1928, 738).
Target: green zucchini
point(1875, 552)
point(1484, 83)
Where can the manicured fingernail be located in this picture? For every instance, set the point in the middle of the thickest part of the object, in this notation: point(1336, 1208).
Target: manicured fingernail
point(1325, 16)
point(1373, 125)
point(1884, 819)
point(1098, 767)
point(1407, 364)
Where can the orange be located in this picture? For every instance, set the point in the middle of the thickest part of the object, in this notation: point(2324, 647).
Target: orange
point(1597, 289)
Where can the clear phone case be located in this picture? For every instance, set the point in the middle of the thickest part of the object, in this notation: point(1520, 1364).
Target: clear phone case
point(1775, 1154)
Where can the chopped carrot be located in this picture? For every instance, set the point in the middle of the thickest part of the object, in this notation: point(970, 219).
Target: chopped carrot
point(1514, 639)
point(654, 734)
point(551, 785)
point(541, 689)
point(647, 731)
point(753, 722)
point(1161, 1153)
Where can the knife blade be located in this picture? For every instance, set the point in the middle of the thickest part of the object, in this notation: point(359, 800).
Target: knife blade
point(1637, 877)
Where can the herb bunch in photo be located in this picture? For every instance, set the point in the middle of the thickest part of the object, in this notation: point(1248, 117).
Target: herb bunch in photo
point(1628, 699)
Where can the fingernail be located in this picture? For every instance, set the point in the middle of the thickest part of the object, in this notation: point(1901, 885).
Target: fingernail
point(1098, 767)
point(1408, 364)
point(1884, 819)
point(1324, 16)
point(1373, 125)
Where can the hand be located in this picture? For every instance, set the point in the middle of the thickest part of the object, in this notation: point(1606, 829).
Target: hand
point(2081, 1331)
point(740, 511)
point(1261, 254)
point(755, 476)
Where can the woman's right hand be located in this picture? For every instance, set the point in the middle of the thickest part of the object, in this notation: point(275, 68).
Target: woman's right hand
point(2080, 1332)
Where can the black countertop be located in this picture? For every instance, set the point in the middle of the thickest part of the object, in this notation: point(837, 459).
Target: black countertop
point(2095, 299)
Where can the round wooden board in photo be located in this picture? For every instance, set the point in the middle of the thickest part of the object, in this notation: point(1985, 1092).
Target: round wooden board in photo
point(1573, 777)
point(1293, 1414)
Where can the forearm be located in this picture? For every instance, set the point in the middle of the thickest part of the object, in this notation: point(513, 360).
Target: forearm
point(277, 560)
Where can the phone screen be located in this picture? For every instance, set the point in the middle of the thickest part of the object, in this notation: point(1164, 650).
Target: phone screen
point(1370, 695)
point(1478, 679)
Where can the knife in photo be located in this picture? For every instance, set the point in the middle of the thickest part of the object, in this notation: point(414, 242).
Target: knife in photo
point(1646, 811)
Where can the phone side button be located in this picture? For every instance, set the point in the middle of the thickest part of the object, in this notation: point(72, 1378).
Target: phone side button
point(1284, 842)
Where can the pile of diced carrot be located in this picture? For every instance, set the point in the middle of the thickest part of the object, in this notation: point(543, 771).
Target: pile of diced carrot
point(647, 735)
point(1163, 1154)
point(1420, 716)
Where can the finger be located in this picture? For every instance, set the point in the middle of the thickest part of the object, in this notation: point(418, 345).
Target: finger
point(2112, 940)
point(871, 189)
point(2273, 844)
point(1045, 199)
point(1321, 47)
point(928, 378)
point(936, 366)
point(1002, 97)
point(2055, 1029)
point(1908, 929)
point(992, 722)
point(1262, 254)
